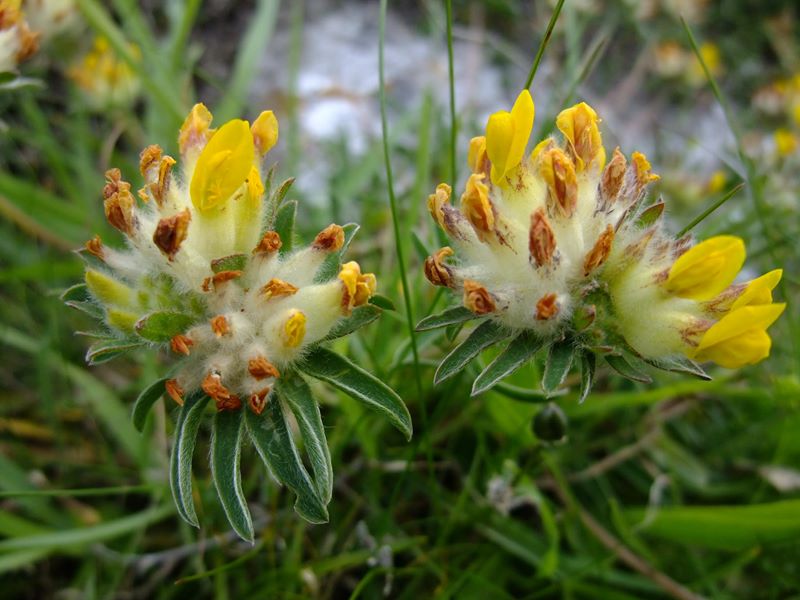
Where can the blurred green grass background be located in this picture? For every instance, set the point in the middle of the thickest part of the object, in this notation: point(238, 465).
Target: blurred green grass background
point(692, 482)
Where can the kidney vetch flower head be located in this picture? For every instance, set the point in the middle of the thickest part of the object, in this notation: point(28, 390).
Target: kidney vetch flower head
point(212, 275)
point(560, 249)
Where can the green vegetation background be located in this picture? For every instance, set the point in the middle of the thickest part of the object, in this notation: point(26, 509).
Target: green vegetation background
point(697, 481)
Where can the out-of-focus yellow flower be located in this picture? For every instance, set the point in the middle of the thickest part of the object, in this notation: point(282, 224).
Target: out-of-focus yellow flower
point(105, 79)
point(716, 183)
point(507, 136)
point(712, 58)
point(786, 142)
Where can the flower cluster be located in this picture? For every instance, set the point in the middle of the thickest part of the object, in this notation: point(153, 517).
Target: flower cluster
point(562, 244)
point(211, 274)
point(202, 274)
point(17, 41)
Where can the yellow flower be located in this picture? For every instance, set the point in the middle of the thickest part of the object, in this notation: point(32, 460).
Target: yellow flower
point(706, 269)
point(265, 131)
point(507, 136)
point(740, 337)
point(716, 183)
point(476, 206)
point(223, 166)
point(295, 329)
point(579, 126)
point(759, 290)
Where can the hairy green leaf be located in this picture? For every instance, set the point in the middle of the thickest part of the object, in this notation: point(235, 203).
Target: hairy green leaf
point(106, 350)
point(332, 368)
point(294, 389)
point(162, 326)
point(588, 364)
point(234, 262)
point(559, 362)
point(679, 364)
point(88, 308)
point(451, 316)
point(284, 225)
point(483, 336)
point(383, 302)
point(650, 215)
point(78, 292)
point(273, 441)
point(623, 366)
point(519, 351)
point(226, 452)
point(145, 402)
point(180, 468)
point(361, 315)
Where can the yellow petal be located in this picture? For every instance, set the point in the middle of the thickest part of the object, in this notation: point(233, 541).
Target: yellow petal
point(196, 128)
point(707, 268)
point(747, 348)
point(523, 113)
point(223, 166)
point(759, 290)
point(579, 126)
point(477, 153)
point(295, 329)
point(255, 187)
point(738, 322)
point(476, 206)
point(507, 136)
point(265, 131)
point(499, 133)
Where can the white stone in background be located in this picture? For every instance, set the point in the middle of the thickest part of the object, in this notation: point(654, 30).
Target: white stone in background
point(338, 84)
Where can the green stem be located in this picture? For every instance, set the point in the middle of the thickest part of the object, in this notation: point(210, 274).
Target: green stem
point(451, 77)
point(702, 216)
point(395, 220)
point(545, 40)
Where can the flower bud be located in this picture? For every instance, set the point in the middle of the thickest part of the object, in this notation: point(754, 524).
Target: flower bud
point(550, 423)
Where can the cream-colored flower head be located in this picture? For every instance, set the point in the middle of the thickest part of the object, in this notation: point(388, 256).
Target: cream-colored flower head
point(562, 244)
point(52, 18)
point(207, 272)
point(17, 41)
